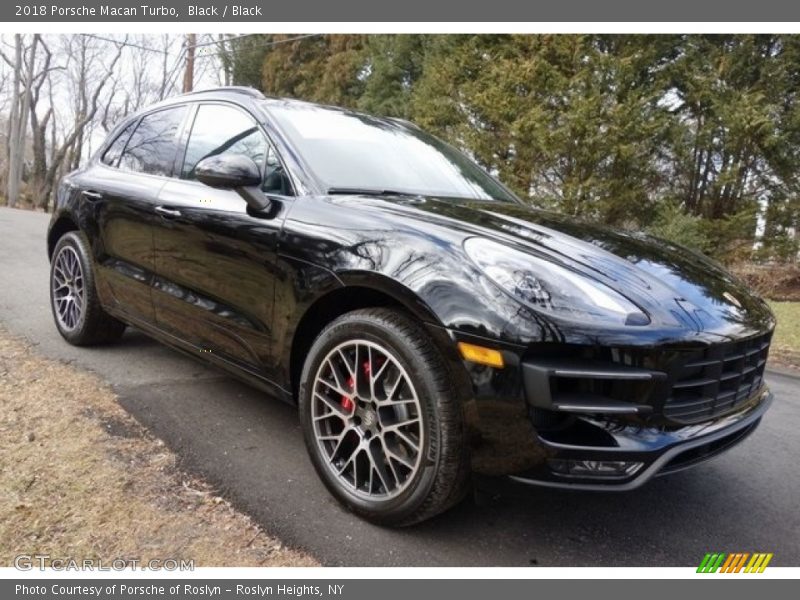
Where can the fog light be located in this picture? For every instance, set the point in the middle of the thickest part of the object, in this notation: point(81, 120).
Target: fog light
point(594, 468)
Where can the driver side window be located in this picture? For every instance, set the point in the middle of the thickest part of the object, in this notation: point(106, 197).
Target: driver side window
point(219, 130)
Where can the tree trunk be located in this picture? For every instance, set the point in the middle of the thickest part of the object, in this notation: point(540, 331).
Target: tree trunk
point(188, 74)
point(14, 151)
point(225, 59)
point(39, 126)
point(39, 168)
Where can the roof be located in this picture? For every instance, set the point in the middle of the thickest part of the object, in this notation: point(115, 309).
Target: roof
point(233, 89)
point(249, 95)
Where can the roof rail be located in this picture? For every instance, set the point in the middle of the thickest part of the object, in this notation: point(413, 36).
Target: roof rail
point(238, 89)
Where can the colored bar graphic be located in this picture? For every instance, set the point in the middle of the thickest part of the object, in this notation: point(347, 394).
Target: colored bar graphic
point(742, 561)
point(766, 562)
point(703, 563)
point(734, 562)
point(719, 562)
point(753, 559)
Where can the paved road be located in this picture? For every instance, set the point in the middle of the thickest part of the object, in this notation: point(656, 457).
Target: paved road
point(250, 447)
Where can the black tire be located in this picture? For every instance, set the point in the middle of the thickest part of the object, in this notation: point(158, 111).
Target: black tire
point(442, 478)
point(92, 325)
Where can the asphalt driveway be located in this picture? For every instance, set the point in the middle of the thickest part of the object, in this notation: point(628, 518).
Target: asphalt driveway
point(250, 447)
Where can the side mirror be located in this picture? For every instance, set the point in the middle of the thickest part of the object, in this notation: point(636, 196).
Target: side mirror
point(235, 172)
point(228, 171)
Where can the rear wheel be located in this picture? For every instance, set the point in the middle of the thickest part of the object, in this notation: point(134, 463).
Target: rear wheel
point(381, 421)
point(79, 317)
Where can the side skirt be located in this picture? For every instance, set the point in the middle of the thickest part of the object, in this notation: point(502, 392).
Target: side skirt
point(242, 373)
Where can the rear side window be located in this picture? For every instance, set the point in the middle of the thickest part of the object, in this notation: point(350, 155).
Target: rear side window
point(114, 151)
point(220, 130)
point(154, 144)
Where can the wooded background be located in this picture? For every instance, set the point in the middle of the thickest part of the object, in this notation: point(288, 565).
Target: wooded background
point(691, 137)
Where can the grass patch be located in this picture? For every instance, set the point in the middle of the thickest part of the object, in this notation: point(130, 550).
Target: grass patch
point(786, 342)
point(80, 478)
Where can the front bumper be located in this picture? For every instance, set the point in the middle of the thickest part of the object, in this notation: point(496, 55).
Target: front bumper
point(611, 418)
point(655, 451)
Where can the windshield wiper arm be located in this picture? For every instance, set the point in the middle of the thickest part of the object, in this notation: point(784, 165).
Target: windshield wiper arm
point(368, 192)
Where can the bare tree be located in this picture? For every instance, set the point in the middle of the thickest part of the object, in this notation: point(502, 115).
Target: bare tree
point(169, 69)
point(143, 84)
point(65, 92)
point(14, 153)
point(226, 60)
point(4, 106)
point(89, 76)
point(39, 129)
point(188, 74)
point(24, 66)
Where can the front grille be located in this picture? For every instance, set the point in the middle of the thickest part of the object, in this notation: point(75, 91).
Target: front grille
point(686, 384)
point(717, 380)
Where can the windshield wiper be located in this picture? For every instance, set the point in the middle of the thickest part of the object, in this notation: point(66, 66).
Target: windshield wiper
point(369, 192)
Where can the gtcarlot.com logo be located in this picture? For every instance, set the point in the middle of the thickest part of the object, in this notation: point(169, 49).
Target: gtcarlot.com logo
point(29, 562)
point(736, 562)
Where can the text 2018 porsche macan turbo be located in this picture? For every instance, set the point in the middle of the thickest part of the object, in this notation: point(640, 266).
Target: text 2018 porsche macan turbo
point(429, 326)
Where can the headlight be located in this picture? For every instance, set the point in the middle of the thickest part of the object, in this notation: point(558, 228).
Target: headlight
point(550, 288)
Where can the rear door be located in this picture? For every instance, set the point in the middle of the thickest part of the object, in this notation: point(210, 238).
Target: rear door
point(121, 192)
point(215, 260)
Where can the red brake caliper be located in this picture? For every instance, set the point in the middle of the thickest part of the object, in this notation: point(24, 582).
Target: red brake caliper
point(347, 401)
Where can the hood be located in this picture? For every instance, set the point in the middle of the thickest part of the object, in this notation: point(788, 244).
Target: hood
point(673, 284)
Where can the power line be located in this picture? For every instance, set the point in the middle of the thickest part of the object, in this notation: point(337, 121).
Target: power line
point(262, 45)
point(201, 44)
point(222, 41)
point(125, 43)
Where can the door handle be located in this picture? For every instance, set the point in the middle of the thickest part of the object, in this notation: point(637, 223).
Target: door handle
point(169, 213)
point(91, 195)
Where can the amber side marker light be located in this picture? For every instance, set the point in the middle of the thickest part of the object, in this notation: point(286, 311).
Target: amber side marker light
point(481, 355)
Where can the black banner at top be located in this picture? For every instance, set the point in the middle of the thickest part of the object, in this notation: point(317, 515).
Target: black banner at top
point(409, 10)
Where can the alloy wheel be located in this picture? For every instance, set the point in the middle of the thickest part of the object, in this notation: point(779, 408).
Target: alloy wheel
point(367, 420)
point(68, 289)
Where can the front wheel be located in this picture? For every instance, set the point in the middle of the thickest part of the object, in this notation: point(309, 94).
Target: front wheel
point(381, 420)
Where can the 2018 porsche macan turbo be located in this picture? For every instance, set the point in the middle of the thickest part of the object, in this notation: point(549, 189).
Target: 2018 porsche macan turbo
point(432, 329)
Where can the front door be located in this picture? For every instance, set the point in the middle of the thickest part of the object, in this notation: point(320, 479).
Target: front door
point(214, 260)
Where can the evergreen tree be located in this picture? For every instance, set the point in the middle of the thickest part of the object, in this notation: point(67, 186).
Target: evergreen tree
point(695, 137)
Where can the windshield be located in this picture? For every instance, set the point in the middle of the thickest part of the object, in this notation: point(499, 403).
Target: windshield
point(352, 152)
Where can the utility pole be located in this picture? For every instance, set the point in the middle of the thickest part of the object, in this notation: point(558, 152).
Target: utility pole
point(188, 74)
point(226, 58)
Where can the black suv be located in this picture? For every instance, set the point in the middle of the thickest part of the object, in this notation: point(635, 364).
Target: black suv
point(428, 324)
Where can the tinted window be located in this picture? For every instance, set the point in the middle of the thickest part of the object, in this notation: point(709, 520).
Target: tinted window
point(348, 150)
point(220, 130)
point(276, 181)
point(111, 156)
point(153, 145)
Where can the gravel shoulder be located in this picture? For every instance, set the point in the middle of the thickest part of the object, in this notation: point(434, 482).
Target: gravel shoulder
point(81, 478)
